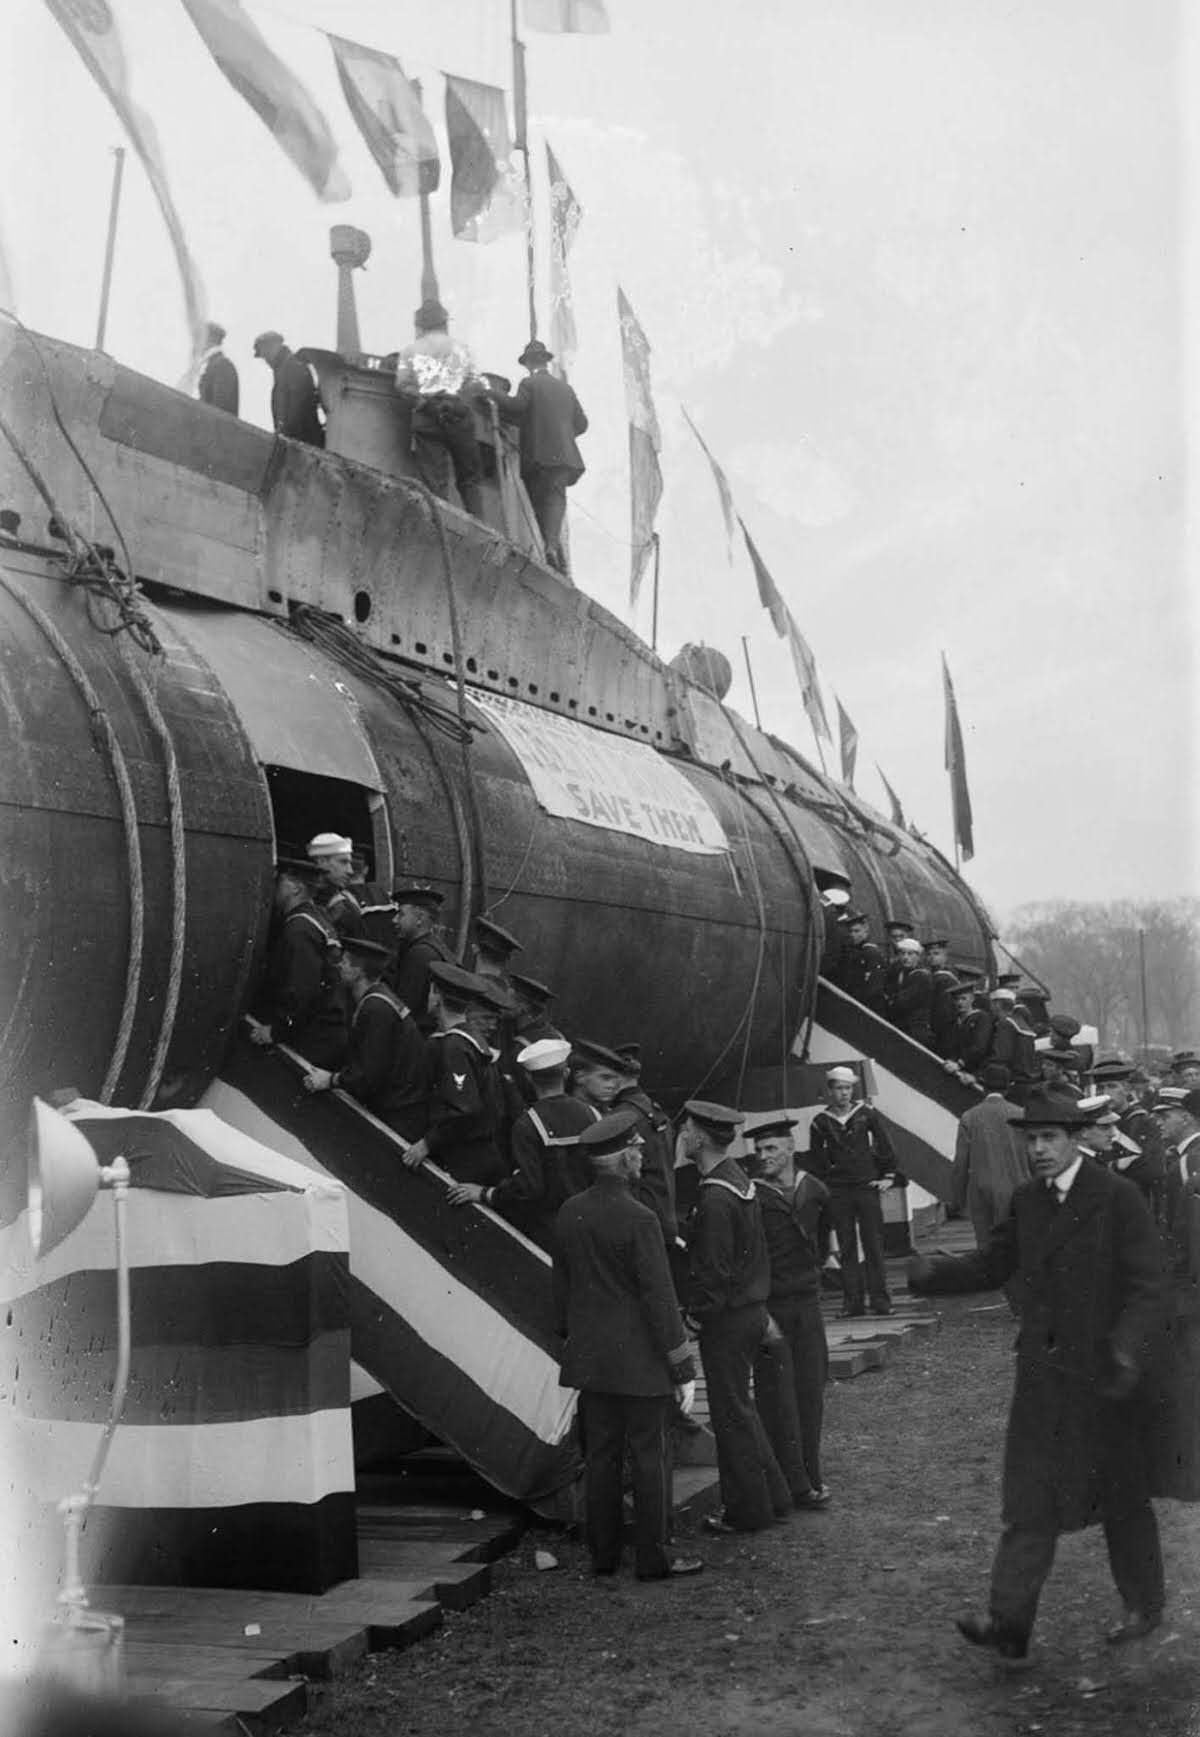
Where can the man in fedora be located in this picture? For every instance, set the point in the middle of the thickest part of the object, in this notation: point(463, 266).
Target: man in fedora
point(550, 418)
point(433, 373)
point(295, 402)
point(1082, 1249)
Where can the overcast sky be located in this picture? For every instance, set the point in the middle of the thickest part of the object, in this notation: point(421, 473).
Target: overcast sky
point(918, 271)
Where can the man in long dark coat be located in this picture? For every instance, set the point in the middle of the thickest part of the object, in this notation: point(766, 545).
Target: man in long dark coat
point(990, 1161)
point(218, 381)
point(295, 402)
point(551, 419)
point(626, 1350)
point(1089, 1267)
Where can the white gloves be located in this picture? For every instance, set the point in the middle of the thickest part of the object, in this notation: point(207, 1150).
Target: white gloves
point(685, 1395)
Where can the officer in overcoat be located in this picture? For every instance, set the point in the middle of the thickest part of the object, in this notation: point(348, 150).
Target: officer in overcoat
point(1089, 1268)
point(626, 1349)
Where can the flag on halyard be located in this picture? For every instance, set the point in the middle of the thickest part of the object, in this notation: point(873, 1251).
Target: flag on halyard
point(273, 91)
point(645, 443)
point(897, 811)
point(784, 624)
point(724, 492)
point(487, 195)
point(568, 17)
point(956, 765)
point(848, 737)
point(92, 31)
point(388, 114)
point(566, 214)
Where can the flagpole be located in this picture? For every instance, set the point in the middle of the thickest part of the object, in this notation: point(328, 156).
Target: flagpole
point(750, 679)
point(110, 246)
point(429, 282)
point(654, 593)
point(521, 119)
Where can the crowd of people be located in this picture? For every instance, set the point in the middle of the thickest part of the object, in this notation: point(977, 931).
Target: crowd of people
point(437, 377)
point(662, 1239)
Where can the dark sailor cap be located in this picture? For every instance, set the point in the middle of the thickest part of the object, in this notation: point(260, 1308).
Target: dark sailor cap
point(495, 940)
point(597, 1055)
point(776, 1129)
point(716, 1119)
point(299, 867)
point(367, 951)
point(900, 926)
point(1185, 1058)
point(410, 893)
point(1069, 1058)
point(530, 988)
point(1065, 1025)
point(1177, 1098)
point(631, 1055)
point(937, 941)
point(611, 1134)
point(1008, 979)
point(964, 986)
point(1053, 1110)
point(462, 985)
point(849, 918)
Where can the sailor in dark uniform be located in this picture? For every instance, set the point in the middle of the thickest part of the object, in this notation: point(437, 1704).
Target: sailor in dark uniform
point(419, 947)
point(850, 1151)
point(1058, 1069)
point(494, 949)
point(655, 1186)
point(944, 983)
point(1012, 1046)
point(533, 1008)
point(910, 995)
point(549, 1165)
point(1139, 1150)
point(466, 1106)
point(332, 856)
point(625, 1350)
point(730, 1278)
point(796, 1222)
point(597, 1073)
point(388, 1066)
point(897, 930)
point(860, 966)
point(970, 1041)
point(302, 1002)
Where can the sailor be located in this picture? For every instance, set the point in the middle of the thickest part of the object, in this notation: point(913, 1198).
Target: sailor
point(333, 857)
point(597, 1073)
point(494, 949)
point(860, 966)
point(944, 984)
point(551, 418)
point(1140, 1153)
point(796, 1223)
point(549, 1165)
point(850, 1151)
point(1185, 1069)
point(420, 946)
point(218, 381)
point(897, 930)
point(1097, 1137)
point(730, 1277)
point(1012, 1046)
point(1058, 1069)
point(971, 1040)
point(466, 1104)
point(533, 1008)
point(302, 1003)
point(433, 372)
point(1082, 1246)
point(625, 1350)
point(910, 997)
point(655, 1185)
point(295, 404)
point(388, 1067)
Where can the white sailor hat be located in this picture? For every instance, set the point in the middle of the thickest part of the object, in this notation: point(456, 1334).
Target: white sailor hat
point(329, 844)
point(546, 1054)
point(1001, 995)
point(1099, 1110)
point(842, 1076)
point(908, 944)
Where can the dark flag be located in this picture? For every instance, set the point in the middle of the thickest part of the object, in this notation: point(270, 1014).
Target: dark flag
point(724, 492)
point(784, 624)
point(848, 736)
point(487, 199)
point(956, 765)
point(897, 811)
point(645, 442)
point(273, 91)
point(388, 114)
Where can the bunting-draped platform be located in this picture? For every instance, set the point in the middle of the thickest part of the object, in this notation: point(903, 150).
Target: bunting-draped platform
point(233, 1465)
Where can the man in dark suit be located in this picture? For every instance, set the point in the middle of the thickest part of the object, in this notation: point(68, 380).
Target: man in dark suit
point(295, 405)
point(626, 1350)
point(1088, 1262)
point(218, 382)
point(551, 418)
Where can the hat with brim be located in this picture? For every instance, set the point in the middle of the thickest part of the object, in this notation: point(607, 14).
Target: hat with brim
point(631, 1056)
point(298, 867)
point(531, 989)
point(1098, 1111)
point(425, 898)
point(1004, 995)
point(850, 918)
point(1113, 1070)
point(778, 1128)
point(366, 952)
point(534, 353)
point(717, 1120)
point(1052, 1110)
point(1170, 1098)
point(491, 938)
point(547, 1055)
point(611, 1134)
point(907, 944)
point(1066, 1058)
point(462, 986)
point(586, 1054)
point(899, 926)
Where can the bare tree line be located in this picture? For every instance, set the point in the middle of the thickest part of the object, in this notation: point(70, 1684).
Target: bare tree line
point(1090, 957)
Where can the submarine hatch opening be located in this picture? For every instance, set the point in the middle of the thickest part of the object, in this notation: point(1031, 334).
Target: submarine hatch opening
point(306, 803)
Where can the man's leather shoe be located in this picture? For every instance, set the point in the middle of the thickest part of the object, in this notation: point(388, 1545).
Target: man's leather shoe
point(812, 1501)
point(854, 1314)
point(1136, 1625)
point(682, 1565)
point(720, 1525)
point(986, 1631)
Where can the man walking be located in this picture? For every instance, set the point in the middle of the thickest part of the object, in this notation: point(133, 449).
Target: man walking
point(1082, 1245)
point(850, 1151)
point(626, 1350)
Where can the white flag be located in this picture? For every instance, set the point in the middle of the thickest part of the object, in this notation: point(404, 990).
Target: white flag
point(566, 214)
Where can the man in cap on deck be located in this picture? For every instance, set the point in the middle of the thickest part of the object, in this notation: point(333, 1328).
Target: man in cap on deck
point(533, 1022)
point(433, 373)
point(466, 1107)
point(850, 1151)
point(730, 1277)
point(301, 1002)
point(295, 402)
point(494, 949)
point(549, 1164)
point(1082, 1247)
point(796, 1223)
point(388, 1066)
point(597, 1073)
point(418, 947)
point(971, 1039)
point(551, 419)
point(860, 966)
point(626, 1350)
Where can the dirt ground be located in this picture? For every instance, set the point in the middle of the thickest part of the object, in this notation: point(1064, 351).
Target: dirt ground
point(832, 1625)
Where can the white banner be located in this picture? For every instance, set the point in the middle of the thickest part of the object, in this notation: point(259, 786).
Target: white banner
point(603, 780)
